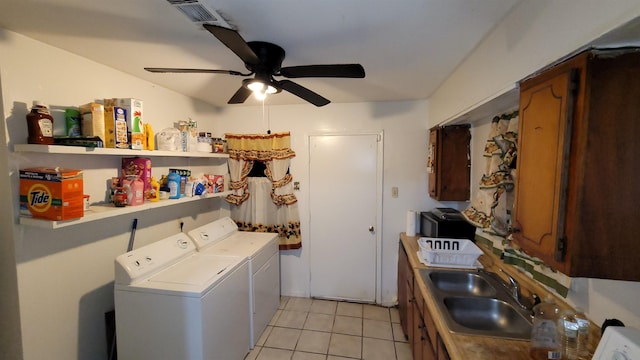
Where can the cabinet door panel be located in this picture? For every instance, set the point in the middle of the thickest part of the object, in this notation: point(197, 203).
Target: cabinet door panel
point(432, 163)
point(543, 147)
point(415, 339)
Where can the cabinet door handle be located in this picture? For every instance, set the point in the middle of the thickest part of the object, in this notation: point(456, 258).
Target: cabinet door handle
point(412, 300)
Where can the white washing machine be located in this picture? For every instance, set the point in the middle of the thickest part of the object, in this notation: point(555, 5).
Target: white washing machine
point(221, 237)
point(175, 303)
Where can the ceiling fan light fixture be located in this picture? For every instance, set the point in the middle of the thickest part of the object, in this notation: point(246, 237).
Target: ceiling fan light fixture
point(260, 89)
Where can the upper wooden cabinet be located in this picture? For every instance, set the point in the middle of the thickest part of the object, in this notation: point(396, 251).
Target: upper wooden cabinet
point(449, 163)
point(578, 168)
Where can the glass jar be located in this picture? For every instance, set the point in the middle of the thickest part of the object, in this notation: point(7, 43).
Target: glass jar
point(120, 197)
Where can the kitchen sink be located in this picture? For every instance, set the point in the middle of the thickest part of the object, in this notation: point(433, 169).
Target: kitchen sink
point(477, 303)
point(462, 283)
point(491, 315)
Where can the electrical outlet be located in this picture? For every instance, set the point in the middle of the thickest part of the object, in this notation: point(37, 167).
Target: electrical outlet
point(394, 192)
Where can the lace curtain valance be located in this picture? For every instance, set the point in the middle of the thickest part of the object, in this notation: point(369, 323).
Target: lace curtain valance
point(264, 204)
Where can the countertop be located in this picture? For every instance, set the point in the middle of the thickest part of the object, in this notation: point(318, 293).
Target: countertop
point(465, 347)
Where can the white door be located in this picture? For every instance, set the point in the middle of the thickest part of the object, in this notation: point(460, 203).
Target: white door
point(345, 192)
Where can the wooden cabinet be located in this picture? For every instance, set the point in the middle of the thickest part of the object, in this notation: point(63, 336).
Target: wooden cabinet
point(578, 166)
point(448, 163)
point(415, 318)
point(405, 291)
point(442, 350)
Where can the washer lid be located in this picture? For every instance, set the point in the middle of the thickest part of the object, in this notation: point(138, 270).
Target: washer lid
point(193, 276)
point(241, 243)
point(196, 270)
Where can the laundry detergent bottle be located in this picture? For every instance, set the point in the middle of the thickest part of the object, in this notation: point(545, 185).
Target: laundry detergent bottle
point(173, 181)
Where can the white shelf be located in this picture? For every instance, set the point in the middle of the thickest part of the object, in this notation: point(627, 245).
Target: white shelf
point(80, 150)
point(99, 212)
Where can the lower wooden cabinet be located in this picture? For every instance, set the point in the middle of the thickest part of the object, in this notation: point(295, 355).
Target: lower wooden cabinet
point(442, 350)
point(415, 318)
point(405, 290)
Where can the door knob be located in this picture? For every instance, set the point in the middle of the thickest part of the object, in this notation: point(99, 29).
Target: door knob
point(371, 229)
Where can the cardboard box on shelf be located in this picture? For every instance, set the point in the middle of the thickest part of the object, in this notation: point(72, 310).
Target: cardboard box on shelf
point(52, 193)
point(215, 183)
point(135, 122)
point(115, 126)
point(140, 167)
point(92, 120)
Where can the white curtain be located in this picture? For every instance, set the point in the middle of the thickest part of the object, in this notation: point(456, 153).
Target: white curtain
point(264, 204)
point(491, 206)
point(238, 172)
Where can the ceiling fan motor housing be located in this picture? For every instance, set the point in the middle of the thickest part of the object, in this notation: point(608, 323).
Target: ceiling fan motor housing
point(270, 56)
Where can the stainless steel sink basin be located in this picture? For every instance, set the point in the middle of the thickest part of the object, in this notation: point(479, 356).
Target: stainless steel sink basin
point(494, 316)
point(462, 283)
point(476, 303)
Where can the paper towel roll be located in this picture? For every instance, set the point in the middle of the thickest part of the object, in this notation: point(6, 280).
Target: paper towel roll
point(411, 223)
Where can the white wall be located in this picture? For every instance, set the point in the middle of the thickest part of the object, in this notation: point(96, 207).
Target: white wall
point(533, 35)
point(65, 276)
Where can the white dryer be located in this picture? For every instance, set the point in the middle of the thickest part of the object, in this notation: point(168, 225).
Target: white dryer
point(221, 237)
point(175, 303)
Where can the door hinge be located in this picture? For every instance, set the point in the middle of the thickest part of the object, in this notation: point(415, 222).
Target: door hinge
point(561, 248)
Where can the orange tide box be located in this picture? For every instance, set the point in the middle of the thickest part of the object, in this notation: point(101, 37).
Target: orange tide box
point(52, 193)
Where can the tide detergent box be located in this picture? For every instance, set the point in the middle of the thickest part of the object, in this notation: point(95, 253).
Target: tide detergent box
point(52, 193)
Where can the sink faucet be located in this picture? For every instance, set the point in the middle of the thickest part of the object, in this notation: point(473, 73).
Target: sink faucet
point(514, 287)
point(515, 294)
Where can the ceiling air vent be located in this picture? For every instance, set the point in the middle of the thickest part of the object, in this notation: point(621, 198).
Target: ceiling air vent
point(199, 12)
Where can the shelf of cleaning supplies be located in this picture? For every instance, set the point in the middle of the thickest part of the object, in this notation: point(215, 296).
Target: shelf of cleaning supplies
point(79, 150)
point(104, 211)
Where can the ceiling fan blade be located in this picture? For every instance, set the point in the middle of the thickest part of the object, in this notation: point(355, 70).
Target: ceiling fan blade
point(240, 96)
point(303, 93)
point(195, 71)
point(231, 39)
point(336, 70)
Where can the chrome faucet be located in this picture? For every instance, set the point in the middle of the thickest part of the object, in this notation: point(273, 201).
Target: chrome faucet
point(515, 287)
point(514, 291)
point(515, 294)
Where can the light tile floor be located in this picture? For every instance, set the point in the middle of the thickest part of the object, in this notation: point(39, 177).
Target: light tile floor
point(312, 329)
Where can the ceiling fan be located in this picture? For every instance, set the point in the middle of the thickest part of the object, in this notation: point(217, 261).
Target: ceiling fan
point(264, 60)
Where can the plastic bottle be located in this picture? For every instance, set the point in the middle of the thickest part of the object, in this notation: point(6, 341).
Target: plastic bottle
point(40, 124)
point(568, 330)
point(173, 181)
point(583, 334)
point(155, 190)
point(150, 137)
point(545, 344)
point(73, 120)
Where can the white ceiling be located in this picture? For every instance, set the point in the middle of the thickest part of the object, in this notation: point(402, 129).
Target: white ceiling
point(407, 47)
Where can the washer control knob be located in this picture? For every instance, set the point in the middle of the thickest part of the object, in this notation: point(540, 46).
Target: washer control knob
point(182, 243)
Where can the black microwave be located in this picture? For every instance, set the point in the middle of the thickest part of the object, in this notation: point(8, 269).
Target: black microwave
point(445, 223)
